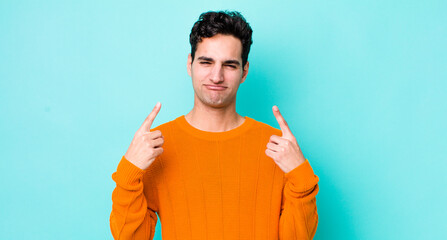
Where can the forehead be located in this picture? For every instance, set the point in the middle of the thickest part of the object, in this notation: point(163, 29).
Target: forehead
point(220, 47)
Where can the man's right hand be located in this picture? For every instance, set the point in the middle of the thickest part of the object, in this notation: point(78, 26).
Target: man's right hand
point(146, 145)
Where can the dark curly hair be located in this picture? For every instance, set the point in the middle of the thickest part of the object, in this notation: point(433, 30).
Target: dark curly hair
point(223, 22)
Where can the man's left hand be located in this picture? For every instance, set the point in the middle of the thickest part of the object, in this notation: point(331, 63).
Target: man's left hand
point(284, 150)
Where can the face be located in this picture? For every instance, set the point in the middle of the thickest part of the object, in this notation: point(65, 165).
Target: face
point(217, 70)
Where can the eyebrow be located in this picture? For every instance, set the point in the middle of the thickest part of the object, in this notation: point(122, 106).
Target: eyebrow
point(226, 61)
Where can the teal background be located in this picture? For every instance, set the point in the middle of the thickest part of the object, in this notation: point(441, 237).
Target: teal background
point(361, 83)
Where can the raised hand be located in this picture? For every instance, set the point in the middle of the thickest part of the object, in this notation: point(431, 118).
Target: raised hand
point(146, 145)
point(284, 150)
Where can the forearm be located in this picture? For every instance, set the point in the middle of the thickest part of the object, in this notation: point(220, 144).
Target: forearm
point(130, 217)
point(299, 217)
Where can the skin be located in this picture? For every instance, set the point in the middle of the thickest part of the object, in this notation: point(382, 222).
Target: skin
point(284, 150)
point(146, 145)
point(217, 62)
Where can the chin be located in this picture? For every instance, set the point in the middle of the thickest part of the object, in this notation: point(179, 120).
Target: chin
point(215, 103)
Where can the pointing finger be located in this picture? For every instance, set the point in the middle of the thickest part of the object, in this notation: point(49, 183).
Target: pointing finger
point(282, 123)
point(146, 126)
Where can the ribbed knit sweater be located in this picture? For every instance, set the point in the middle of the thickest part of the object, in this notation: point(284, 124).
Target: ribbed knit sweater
point(214, 185)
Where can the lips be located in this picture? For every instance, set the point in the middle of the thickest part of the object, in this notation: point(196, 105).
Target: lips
point(215, 88)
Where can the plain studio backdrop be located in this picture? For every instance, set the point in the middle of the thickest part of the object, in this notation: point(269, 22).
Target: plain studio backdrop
point(361, 84)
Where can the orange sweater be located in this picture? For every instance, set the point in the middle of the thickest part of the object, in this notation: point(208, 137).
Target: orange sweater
point(214, 185)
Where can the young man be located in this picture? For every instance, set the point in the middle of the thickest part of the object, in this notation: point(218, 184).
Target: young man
point(213, 174)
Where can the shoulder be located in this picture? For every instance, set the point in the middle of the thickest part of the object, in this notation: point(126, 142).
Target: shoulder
point(164, 126)
point(266, 128)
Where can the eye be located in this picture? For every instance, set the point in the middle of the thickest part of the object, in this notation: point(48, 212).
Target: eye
point(231, 66)
point(206, 63)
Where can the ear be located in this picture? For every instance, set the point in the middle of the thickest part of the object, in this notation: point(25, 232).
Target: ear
point(245, 71)
point(188, 64)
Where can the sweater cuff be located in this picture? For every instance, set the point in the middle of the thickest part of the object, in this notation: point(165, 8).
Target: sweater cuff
point(301, 178)
point(127, 174)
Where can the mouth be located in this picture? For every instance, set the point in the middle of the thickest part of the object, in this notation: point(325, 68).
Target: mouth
point(215, 88)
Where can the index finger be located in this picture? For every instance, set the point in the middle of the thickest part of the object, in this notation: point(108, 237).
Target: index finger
point(146, 126)
point(282, 122)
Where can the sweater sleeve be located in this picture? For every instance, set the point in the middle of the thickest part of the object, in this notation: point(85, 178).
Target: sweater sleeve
point(299, 218)
point(131, 217)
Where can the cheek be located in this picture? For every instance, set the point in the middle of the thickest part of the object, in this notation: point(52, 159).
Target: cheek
point(196, 73)
point(201, 74)
point(233, 76)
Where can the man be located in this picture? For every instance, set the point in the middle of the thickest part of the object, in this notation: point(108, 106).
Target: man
point(213, 174)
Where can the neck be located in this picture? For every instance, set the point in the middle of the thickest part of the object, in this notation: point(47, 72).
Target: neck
point(212, 119)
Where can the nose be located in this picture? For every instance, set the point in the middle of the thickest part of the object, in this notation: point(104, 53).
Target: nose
point(216, 75)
